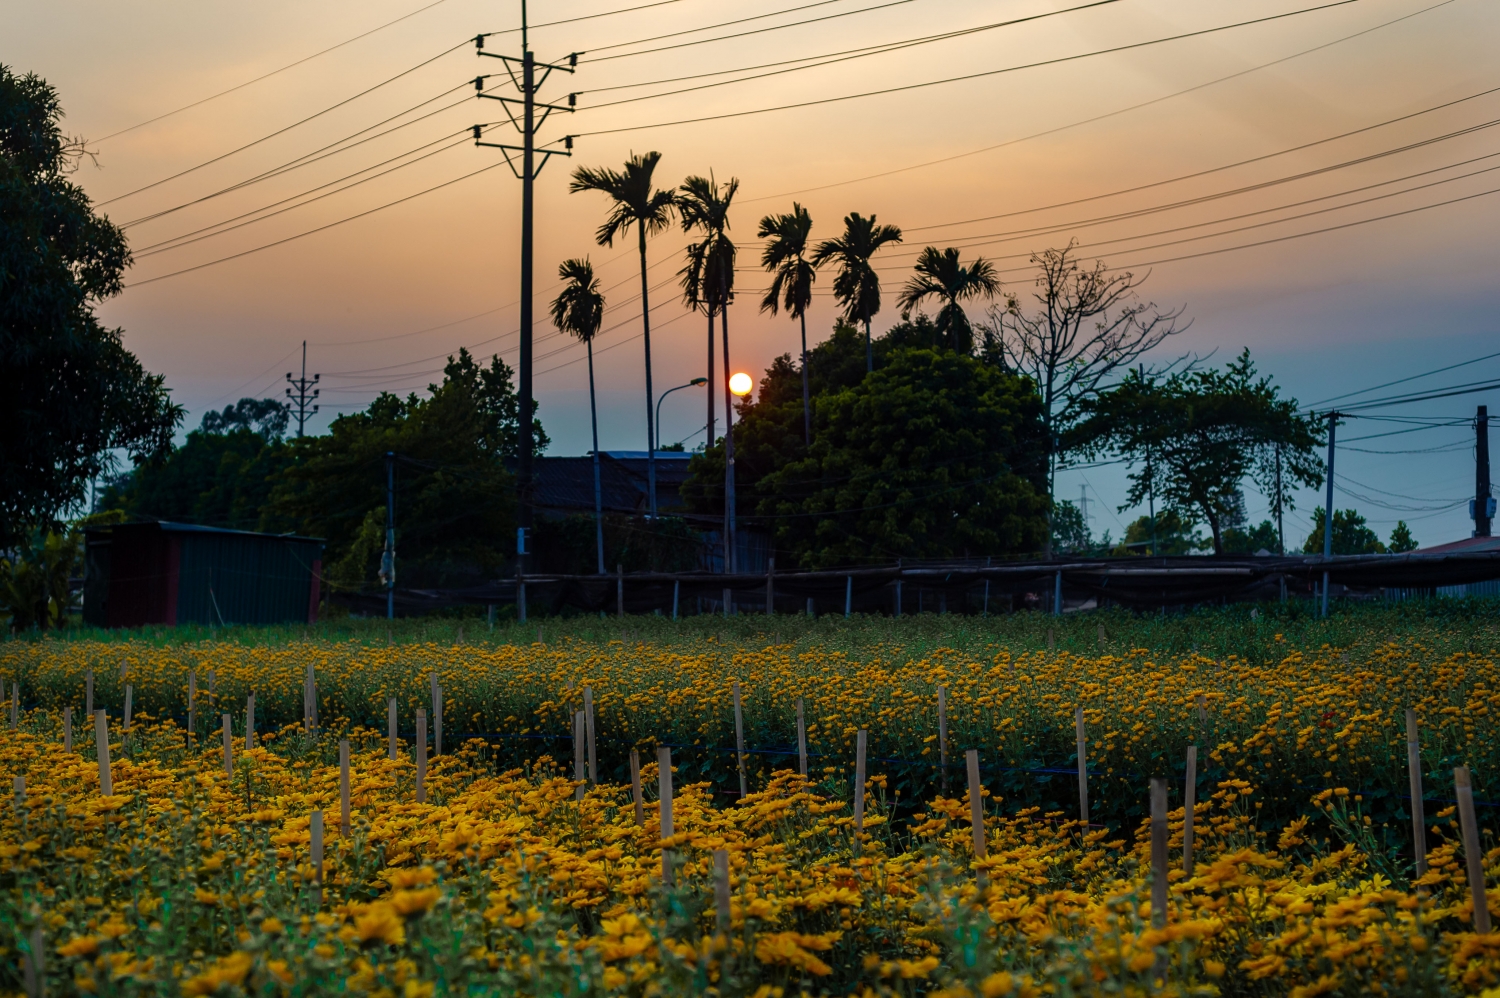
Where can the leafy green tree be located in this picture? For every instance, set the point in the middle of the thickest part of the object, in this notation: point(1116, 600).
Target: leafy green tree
point(1171, 535)
point(941, 275)
point(1401, 539)
point(267, 417)
point(1195, 436)
point(857, 286)
point(1351, 535)
point(1248, 540)
point(455, 502)
point(792, 277)
point(34, 588)
point(1070, 531)
point(633, 202)
point(70, 393)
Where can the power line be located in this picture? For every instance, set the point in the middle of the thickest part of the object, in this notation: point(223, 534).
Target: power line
point(1414, 377)
point(968, 76)
point(851, 54)
point(295, 124)
point(267, 76)
point(1099, 117)
point(585, 17)
point(341, 221)
point(739, 34)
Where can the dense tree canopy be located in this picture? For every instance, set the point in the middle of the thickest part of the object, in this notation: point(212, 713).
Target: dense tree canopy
point(936, 454)
point(1351, 534)
point(70, 393)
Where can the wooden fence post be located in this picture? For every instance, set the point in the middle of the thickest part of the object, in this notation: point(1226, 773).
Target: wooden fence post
point(421, 755)
point(664, 794)
point(588, 731)
point(88, 693)
point(19, 786)
point(801, 740)
point(1473, 851)
point(101, 742)
point(129, 697)
point(859, 781)
point(770, 586)
point(848, 595)
point(228, 750)
point(437, 714)
point(34, 967)
point(635, 786)
point(580, 773)
point(619, 590)
point(15, 706)
point(728, 601)
point(721, 889)
point(1051, 640)
point(312, 699)
point(1414, 775)
point(390, 728)
point(315, 848)
point(192, 703)
point(250, 721)
point(344, 788)
point(739, 741)
point(1202, 703)
point(1083, 772)
point(1189, 801)
point(67, 729)
point(976, 807)
point(1158, 852)
point(942, 697)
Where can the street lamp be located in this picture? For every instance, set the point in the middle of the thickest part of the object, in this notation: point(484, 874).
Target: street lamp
point(691, 384)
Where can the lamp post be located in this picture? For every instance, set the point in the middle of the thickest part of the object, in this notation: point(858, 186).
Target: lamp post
point(691, 384)
point(740, 384)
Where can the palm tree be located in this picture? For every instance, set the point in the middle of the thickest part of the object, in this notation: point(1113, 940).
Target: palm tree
point(785, 256)
point(857, 286)
point(697, 295)
point(704, 205)
point(941, 275)
point(634, 202)
point(578, 309)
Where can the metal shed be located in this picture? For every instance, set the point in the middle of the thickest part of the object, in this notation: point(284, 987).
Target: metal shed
point(181, 573)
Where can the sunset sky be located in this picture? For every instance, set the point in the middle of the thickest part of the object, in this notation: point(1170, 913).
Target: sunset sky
point(1328, 118)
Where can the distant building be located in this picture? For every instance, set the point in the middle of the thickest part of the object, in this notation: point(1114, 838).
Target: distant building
point(180, 573)
point(566, 484)
point(1468, 544)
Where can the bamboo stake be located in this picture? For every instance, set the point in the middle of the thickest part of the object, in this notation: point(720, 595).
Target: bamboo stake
point(19, 786)
point(390, 727)
point(312, 699)
point(101, 742)
point(88, 693)
point(67, 729)
point(578, 755)
point(1414, 775)
point(15, 706)
point(343, 788)
point(228, 750)
point(1189, 801)
point(437, 714)
point(859, 780)
point(1158, 852)
point(1473, 853)
point(635, 787)
point(739, 741)
point(801, 740)
point(976, 806)
point(721, 889)
point(192, 703)
point(588, 731)
point(942, 694)
point(1202, 703)
point(250, 721)
point(1051, 640)
point(34, 966)
point(664, 785)
point(619, 590)
point(129, 695)
point(1083, 772)
point(421, 756)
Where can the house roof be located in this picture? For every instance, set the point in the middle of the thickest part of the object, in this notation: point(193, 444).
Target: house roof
point(173, 527)
point(1467, 544)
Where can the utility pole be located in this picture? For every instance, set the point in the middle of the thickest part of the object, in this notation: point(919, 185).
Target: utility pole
point(388, 556)
point(1333, 422)
point(301, 398)
point(526, 171)
point(1482, 509)
point(1083, 508)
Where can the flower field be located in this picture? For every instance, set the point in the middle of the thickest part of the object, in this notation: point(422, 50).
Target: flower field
point(513, 877)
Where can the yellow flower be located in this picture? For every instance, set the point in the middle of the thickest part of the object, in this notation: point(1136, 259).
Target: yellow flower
point(997, 985)
point(272, 926)
point(379, 923)
point(408, 903)
point(230, 970)
point(80, 946)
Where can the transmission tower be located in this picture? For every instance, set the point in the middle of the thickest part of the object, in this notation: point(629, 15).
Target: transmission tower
point(301, 403)
point(522, 73)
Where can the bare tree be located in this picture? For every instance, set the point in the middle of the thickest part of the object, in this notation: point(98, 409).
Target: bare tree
point(1088, 324)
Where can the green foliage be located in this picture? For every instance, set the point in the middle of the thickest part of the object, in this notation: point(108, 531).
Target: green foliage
point(70, 393)
point(267, 417)
point(1195, 436)
point(455, 506)
point(1249, 540)
point(940, 275)
point(1401, 539)
point(1173, 536)
point(1070, 532)
point(34, 590)
point(1350, 534)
